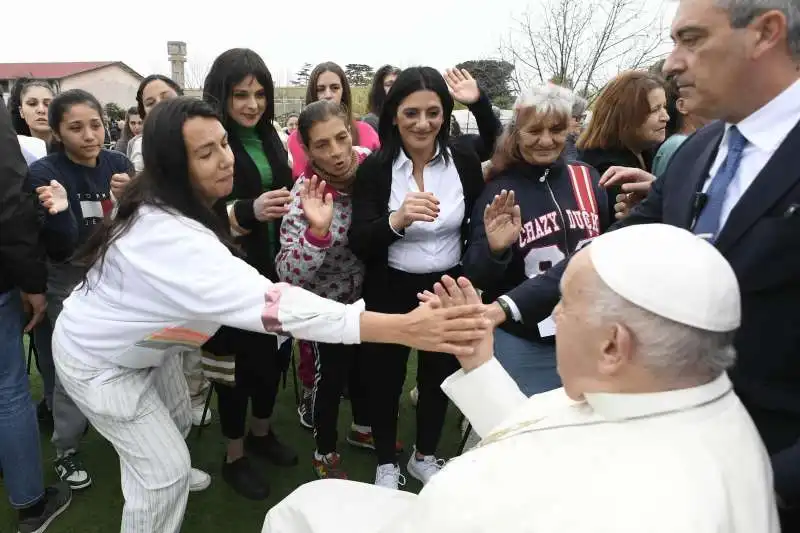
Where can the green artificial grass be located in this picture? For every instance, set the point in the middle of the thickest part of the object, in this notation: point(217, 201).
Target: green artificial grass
point(98, 508)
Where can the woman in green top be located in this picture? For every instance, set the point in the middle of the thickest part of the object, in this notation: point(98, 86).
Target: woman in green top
point(682, 123)
point(240, 86)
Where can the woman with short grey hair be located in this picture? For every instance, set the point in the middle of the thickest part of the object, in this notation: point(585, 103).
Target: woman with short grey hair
point(537, 208)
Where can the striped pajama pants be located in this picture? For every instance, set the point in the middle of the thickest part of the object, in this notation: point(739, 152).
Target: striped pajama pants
point(145, 414)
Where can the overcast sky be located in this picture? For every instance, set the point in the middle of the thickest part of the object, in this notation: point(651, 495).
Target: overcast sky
point(287, 33)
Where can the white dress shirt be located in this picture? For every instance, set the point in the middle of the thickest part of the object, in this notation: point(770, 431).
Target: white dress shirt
point(428, 246)
point(764, 130)
point(681, 461)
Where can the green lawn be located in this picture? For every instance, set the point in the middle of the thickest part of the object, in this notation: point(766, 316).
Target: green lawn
point(97, 509)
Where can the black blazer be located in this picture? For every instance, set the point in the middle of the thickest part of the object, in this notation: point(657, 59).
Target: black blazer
point(604, 158)
point(21, 256)
point(370, 235)
point(247, 187)
point(761, 240)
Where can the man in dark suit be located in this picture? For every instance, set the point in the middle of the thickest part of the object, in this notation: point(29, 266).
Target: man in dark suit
point(736, 183)
point(21, 268)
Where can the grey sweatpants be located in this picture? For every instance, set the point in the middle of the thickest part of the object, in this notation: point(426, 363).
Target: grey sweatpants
point(69, 424)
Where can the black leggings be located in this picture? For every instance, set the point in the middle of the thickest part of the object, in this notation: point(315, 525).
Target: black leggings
point(259, 366)
point(393, 291)
point(337, 365)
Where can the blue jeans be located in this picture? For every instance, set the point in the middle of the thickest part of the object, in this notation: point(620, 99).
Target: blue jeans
point(531, 364)
point(20, 455)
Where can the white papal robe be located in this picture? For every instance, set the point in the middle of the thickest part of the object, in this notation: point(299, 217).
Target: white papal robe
point(684, 461)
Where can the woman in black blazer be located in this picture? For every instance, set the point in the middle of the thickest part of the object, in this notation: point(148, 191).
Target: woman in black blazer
point(411, 204)
point(240, 86)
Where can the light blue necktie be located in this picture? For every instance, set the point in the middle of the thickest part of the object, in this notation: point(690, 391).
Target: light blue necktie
point(707, 223)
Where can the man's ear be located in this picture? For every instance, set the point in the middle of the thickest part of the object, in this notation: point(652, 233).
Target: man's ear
point(617, 350)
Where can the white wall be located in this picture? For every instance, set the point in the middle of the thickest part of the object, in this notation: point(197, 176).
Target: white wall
point(107, 84)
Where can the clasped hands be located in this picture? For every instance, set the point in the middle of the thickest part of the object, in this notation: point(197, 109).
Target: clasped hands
point(464, 326)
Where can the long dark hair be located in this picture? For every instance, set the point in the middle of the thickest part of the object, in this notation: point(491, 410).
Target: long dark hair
point(127, 134)
point(21, 85)
point(377, 94)
point(408, 82)
point(347, 93)
point(62, 103)
point(164, 182)
point(230, 68)
point(145, 82)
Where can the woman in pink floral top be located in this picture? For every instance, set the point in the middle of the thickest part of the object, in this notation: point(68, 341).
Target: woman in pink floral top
point(314, 255)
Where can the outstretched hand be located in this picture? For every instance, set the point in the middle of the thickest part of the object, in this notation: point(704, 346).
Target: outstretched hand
point(53, 197)
point(449, 294)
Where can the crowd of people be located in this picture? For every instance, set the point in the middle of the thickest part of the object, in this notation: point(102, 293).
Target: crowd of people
point(610, 304)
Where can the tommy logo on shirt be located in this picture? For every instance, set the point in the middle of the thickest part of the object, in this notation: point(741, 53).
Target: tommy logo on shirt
point(95, 206)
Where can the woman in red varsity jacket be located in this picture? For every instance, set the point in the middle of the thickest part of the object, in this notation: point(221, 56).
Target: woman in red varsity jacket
point(535, 210)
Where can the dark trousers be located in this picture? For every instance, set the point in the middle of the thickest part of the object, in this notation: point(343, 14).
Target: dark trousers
point(780, 430)
point(259, 365)
point(337, 365)
point(393, 291)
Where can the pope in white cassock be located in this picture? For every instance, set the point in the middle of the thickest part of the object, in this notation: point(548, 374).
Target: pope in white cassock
point(646, 436)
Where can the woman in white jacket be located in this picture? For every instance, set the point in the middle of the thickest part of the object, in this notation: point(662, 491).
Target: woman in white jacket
point(162, 276)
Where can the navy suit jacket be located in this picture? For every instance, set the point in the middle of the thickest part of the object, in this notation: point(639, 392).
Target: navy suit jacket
point(761, 241)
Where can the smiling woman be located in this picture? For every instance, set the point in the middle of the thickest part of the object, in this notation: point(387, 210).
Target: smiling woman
point(536, 209)
point(411, 203)
point(239, 85)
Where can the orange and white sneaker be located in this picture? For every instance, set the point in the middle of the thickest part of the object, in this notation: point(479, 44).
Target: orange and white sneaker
point(328, 466)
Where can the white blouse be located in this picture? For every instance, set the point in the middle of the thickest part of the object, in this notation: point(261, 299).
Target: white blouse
point(428, 247)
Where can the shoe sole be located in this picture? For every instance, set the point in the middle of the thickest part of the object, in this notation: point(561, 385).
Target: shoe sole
point(49, 521)
point(201, 487)
point(360, 445)
point(79, 486)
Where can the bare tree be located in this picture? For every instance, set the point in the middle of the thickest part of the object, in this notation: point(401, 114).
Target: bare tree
point(195, 75)
point(581, 44)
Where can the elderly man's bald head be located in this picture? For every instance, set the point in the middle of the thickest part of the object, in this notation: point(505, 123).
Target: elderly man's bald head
point(607, 343)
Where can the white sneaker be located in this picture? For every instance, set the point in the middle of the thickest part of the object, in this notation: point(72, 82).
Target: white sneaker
point(197, 416)
point(424, 469)
point(389, 476)
point(198, 480)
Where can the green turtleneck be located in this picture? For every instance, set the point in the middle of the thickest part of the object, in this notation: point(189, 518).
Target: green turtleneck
point(255, 149)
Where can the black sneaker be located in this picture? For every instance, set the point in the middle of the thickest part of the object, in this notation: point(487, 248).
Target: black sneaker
point(71, 471)
point(56, 500)
point(306, 411)
point(242, 478)
point(270, 448)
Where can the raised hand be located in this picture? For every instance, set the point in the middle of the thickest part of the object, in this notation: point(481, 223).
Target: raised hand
point(53, 197)
point(118, 184)
point(462, 86)
point(272, 205)
point(416, 207)
point(317, 207)
point(502, 221)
